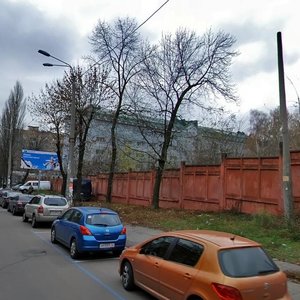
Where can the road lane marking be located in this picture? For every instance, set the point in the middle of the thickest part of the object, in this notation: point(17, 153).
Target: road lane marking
point(81, 268)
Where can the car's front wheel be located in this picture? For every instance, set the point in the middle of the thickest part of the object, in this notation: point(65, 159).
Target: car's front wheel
point(74, 253)
point(53, 235)
point(127, 276)
point(34, 223)
point(14, 211)
point(24, 218)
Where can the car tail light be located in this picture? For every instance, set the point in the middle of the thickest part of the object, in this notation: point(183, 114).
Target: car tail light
point(40, 209)
point(84, 230)
point(123, 230)
point(226, 292)
point(19, 203)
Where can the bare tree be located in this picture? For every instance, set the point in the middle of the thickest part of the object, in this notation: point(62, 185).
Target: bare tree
point(264, 133)
point(117, 45)
point(186, 70)
point(51, 112)
point(11, 123)
point(92, 93)
point(53, 107)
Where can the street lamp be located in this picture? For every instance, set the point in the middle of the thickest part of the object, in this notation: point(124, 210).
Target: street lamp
point(9, 166)
point(70, 168)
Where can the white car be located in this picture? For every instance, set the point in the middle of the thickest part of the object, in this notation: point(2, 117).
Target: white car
point(34, 185)
point(44, 208)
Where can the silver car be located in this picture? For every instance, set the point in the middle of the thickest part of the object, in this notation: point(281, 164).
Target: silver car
point(44, 208)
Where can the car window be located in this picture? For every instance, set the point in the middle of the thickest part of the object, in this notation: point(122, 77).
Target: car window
point(35, 200)
point(246, 262)
point(23, 197)
point(35, 184)
point(76, 216)
point(67, 214)
point(186, 252)
point(158, 247)
point(103, 219)
point(55, 201)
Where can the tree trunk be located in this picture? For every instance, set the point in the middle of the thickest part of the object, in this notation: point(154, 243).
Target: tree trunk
point(112, 163)
point(64, 184)
point(157, 183)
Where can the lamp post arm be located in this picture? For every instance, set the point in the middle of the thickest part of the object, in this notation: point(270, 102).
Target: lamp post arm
point(61, 61)
point(70, 165)
point(45, 53)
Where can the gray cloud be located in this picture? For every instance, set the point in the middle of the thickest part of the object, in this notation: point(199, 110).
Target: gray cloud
point(251, 32)
point(23, 31)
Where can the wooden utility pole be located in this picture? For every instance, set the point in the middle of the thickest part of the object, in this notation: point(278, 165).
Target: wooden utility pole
point(286, 160)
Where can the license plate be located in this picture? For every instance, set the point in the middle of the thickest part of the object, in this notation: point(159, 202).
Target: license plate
point(107, 245)
point(55, 212)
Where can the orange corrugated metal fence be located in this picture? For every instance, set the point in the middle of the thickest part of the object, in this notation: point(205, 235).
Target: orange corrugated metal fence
point(247, 185)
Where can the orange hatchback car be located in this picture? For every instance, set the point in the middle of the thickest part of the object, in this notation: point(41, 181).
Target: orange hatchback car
point(202, 265)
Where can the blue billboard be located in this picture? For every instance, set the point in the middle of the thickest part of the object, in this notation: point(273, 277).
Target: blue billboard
point(39, 160)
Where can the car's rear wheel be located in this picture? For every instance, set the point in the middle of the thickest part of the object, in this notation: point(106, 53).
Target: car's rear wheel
point(53, 235)
point(34, 223)
point(127, 276)
point(74, 253)
point(24, 218)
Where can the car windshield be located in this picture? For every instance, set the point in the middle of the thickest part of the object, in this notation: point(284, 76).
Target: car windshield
point(52, 201)
point(103, 219)
point(246, 262)
point(25, 198)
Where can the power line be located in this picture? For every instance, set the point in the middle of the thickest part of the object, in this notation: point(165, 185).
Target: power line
point(150, 16)
point(135, 30)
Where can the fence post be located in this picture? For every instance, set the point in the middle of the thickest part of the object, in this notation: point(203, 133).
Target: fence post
point(128, 187)
point(181, 183)
point(222, 182)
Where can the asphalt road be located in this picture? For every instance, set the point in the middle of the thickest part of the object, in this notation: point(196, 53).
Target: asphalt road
point(31, 267)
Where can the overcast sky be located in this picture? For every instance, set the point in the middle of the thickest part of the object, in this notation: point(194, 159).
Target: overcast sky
point(62, 27)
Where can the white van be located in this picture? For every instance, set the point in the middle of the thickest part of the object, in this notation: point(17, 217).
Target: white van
point(33, 185)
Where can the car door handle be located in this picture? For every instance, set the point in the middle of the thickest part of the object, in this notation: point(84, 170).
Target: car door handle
point(156, 265)
point(187, 276)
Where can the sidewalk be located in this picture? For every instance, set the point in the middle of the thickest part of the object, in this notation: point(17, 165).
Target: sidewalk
point(293, 271)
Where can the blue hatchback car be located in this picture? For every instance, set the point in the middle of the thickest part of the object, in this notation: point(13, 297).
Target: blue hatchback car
point(89, 229)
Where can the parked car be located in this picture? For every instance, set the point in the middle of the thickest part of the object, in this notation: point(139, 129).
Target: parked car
point(3, 193)
point(89, 229)
point(44, 208)
point(7, 196)
point(16, 186)
point(17, 204)
point(34, 185)
point(199, 264)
